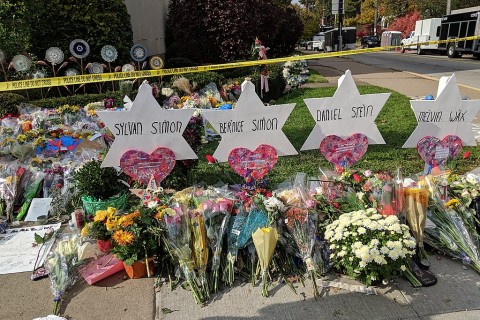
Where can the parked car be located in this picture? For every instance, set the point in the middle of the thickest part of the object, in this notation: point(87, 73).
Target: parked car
point(315, 45)
point(370, 42)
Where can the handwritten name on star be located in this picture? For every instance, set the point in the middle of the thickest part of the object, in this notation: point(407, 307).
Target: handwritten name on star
point(355, 112)
point(260, 124)
point(437, 116)
point(136, 128)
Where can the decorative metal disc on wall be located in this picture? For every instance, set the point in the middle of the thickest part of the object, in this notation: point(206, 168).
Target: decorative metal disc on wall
point(79, 48)
point(21, 62)
point(54, 55)
point(109, 53)
point(38, 74)
point(156, 63)
point(95, 68)
point(138, 52)
point(128, 67)
point(71, 72)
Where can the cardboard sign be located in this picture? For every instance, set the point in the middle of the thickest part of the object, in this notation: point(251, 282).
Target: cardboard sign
point(38, 207)
point(145, 127)
point(250, 124)
point(446, 115)
point(346, 113)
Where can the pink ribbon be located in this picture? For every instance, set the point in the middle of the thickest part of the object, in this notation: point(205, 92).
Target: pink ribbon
point(263, 84)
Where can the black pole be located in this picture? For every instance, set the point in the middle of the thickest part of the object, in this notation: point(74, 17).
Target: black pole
point(340, 21)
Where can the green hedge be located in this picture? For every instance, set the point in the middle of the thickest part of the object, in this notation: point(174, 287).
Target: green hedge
point(9, 103)
point(78, 99)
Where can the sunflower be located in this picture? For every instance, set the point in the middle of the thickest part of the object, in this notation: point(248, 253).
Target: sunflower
point(123, 238)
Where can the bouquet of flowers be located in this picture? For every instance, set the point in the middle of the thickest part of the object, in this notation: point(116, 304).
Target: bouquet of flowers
point(217, 217)
point(296, 73)
point(265, 241)
point(100, 226)
point(454, 230)
point(466, 187)
point(369, 246)
point(200, 247)
point(178, 244)
point(301, 223)
point(61, 265)
point(237, 224)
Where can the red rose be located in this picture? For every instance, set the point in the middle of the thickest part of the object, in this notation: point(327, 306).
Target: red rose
point(356, 177)
point(210, 159)
point(466, 155)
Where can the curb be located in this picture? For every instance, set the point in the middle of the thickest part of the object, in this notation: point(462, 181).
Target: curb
point(436, 79)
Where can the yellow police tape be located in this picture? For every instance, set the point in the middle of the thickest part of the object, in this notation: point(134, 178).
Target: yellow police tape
point(118, 76)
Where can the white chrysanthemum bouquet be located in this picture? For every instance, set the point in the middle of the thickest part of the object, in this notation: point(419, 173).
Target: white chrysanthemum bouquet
point(369, 246)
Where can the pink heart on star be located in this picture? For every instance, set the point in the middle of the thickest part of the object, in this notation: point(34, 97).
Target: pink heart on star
point(344, 152)
point(141, 166)
point(433, 149)
point(255, 163)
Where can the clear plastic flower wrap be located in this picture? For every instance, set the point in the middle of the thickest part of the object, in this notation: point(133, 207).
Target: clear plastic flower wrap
point(61, 265)
point(217, 213)
point(452, 230)
point(178, 244)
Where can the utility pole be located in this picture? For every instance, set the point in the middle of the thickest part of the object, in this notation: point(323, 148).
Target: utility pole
point(337, 8)
point(340, 22)
point(449, 6)
point(375, 19)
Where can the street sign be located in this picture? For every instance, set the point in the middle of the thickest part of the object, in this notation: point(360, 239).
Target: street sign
point(337, 6)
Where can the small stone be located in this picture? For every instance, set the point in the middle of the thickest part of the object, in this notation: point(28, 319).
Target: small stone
point(464, 267)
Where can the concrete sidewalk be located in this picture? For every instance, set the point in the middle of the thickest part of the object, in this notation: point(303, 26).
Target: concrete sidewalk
point(113, 298)
point(455, 296)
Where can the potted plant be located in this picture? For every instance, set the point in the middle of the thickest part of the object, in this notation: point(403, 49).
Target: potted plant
point(100, 227)
point(100, 188)
point(135, 240)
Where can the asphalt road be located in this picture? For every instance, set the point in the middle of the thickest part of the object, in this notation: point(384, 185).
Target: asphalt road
point(466, 69)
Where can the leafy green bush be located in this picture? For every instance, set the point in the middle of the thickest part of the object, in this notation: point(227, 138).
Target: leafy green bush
point(178, 63)
point(99, 183)
point(78, 99)
point(57, 23)
point(238, 73)
point(219, 35)
point(9, 103)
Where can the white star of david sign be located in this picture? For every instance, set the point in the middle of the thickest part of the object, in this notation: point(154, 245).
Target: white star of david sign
point(448, 114)
point(346, 113)
point(146, 127)
point(251, 124)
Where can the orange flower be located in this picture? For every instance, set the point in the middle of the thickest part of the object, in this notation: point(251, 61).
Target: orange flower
point(123, 238)
point(127, 220)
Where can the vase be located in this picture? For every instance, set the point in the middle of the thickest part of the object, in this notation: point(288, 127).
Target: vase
point(105, 245)
point(139, 269)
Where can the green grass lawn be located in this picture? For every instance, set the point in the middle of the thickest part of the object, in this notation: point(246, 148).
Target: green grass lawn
point(396, 122)
point(316, 77)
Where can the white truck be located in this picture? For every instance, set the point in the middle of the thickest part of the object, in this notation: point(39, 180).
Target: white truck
point(425, 31)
